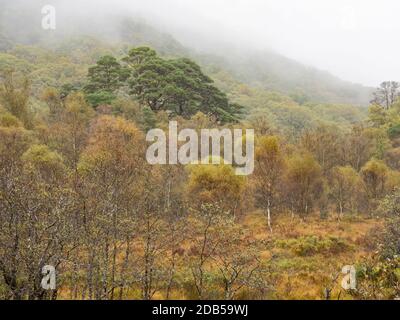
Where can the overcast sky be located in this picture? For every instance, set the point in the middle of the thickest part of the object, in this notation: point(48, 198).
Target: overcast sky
point(356, 40)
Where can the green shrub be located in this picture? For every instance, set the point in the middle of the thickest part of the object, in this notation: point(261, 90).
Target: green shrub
point(310, 245)
point(394, 131)
point(8, 120)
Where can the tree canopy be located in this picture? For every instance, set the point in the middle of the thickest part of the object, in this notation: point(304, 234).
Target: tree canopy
point(176, 85)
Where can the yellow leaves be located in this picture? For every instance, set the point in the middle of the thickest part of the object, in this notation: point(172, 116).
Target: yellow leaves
point(393, 180)
point(43, 165)
point(346, 187)
point(115, 143)
point(14, 141)
point(8, 120)
point(303, 167)
point(304, 181)
point(92, 159)
point(76, 106)
point(215, 183)
point(50, 94)
point(375, 174)
point(267, 145)
point(397, 273)
point(379, 177)
point(15, 94)
point(375, 167)
point(210, 176)
point(377, 115)
point(42, 158)
point(345, 173)
point(108, 129)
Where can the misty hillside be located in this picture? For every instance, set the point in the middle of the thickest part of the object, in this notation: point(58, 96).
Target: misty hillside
point(272, 71)
point(264, 70)
point(136, 164)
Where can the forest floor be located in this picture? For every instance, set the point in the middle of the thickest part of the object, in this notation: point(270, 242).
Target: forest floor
point(303, 256)
point(308, 255)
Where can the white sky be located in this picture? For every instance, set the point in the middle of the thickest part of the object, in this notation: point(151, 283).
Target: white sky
point(356, 40)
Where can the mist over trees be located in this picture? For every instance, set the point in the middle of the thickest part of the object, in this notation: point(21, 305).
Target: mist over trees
point(254, 67)
point(77, 193)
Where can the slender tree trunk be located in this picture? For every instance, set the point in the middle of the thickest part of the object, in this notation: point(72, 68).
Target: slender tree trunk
point(90, 275)
point(74, 292)
point(114, 256)
point(104, 294)
point(171, 275)
point(124, 268)
point(269, 215)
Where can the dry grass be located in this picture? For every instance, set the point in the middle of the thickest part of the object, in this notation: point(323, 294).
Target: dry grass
point(305, 277)
point(296, 276)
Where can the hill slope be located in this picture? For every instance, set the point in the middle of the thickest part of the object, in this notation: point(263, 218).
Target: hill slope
point(265, 70)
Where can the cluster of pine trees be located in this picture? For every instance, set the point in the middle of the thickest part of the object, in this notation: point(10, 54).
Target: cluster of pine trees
point(176, 85)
